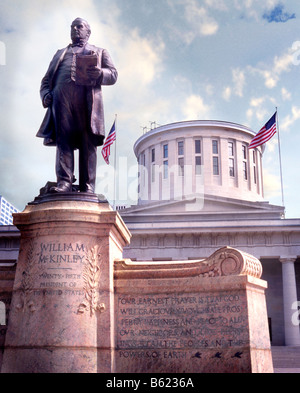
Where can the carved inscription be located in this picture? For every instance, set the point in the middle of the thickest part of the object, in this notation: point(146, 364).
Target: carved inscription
point(68, 269)
point(60, 268)
point(173, 326)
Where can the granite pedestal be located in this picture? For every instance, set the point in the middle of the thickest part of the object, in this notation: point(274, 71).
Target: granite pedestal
point(62, 311)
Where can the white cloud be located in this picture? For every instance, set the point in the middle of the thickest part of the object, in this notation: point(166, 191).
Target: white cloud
point(217, 4)
point(238, 84)
point(195, 19)
point(147, 63)
point(289, 120)
point(272, 73)
point(238, 78)
point(286, 95)
point(246, 7)
point(195, 108)
point(256, 102)
point(199, 19)
point(259, 107)
point(227, 93)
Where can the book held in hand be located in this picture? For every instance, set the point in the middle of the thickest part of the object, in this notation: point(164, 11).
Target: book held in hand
point(83, 62)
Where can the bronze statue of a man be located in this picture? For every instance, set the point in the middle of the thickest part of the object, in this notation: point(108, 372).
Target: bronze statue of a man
point(75, 118)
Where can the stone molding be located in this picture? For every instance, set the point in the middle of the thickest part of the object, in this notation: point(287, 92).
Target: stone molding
point(225, 262)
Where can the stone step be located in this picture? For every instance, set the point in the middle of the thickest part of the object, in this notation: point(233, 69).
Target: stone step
point(286, 357)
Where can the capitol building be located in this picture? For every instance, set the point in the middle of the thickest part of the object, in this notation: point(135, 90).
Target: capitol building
point(200, 189)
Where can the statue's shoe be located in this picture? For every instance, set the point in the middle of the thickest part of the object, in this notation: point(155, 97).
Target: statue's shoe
point(62, 188)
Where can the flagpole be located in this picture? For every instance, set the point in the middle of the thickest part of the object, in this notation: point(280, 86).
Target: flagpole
point(280, 161)
point(115, 164)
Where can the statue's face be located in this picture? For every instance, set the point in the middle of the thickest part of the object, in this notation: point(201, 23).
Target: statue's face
point(79, 31)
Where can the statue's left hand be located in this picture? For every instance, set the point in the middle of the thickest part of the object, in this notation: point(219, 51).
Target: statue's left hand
point(94, 72)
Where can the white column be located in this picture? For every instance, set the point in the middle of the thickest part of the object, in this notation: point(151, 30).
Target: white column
point(292, 333)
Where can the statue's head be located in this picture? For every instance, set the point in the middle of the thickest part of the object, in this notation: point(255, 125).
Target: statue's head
point(80, 31)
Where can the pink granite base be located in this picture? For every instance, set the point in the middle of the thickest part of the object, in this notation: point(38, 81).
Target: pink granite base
point(60, 318)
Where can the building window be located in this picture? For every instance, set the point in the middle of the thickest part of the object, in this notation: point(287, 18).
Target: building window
point(153, 165)
point(198, 165)
point(165, 161)
point(166, 151)
point(216, 166)
point(198, 159)
point(245, 162)
point(180, 148)
point(254, 175)
point(215, 151)
point(180, 166)
point(254, 167)
point(230, 149)
point(215, 147)
point(245, 173)
point(231, 158)
point(231, 167)
point(153, 155)
point(244, 152)
point(180, 158)
point(166, 169)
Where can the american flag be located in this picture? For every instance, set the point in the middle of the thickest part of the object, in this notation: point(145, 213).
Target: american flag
point(111, 137)
point(265, 134)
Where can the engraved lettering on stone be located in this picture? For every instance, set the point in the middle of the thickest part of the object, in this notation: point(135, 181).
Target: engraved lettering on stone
point(57, 270)
point(180, 325)
point(91, 276)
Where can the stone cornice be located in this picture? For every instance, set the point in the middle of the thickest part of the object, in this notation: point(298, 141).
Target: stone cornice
point(215, 226)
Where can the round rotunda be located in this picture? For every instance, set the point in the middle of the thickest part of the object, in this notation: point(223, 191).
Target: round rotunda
point(202, 156)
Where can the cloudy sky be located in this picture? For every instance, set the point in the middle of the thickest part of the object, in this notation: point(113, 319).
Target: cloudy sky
point(230, 60)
